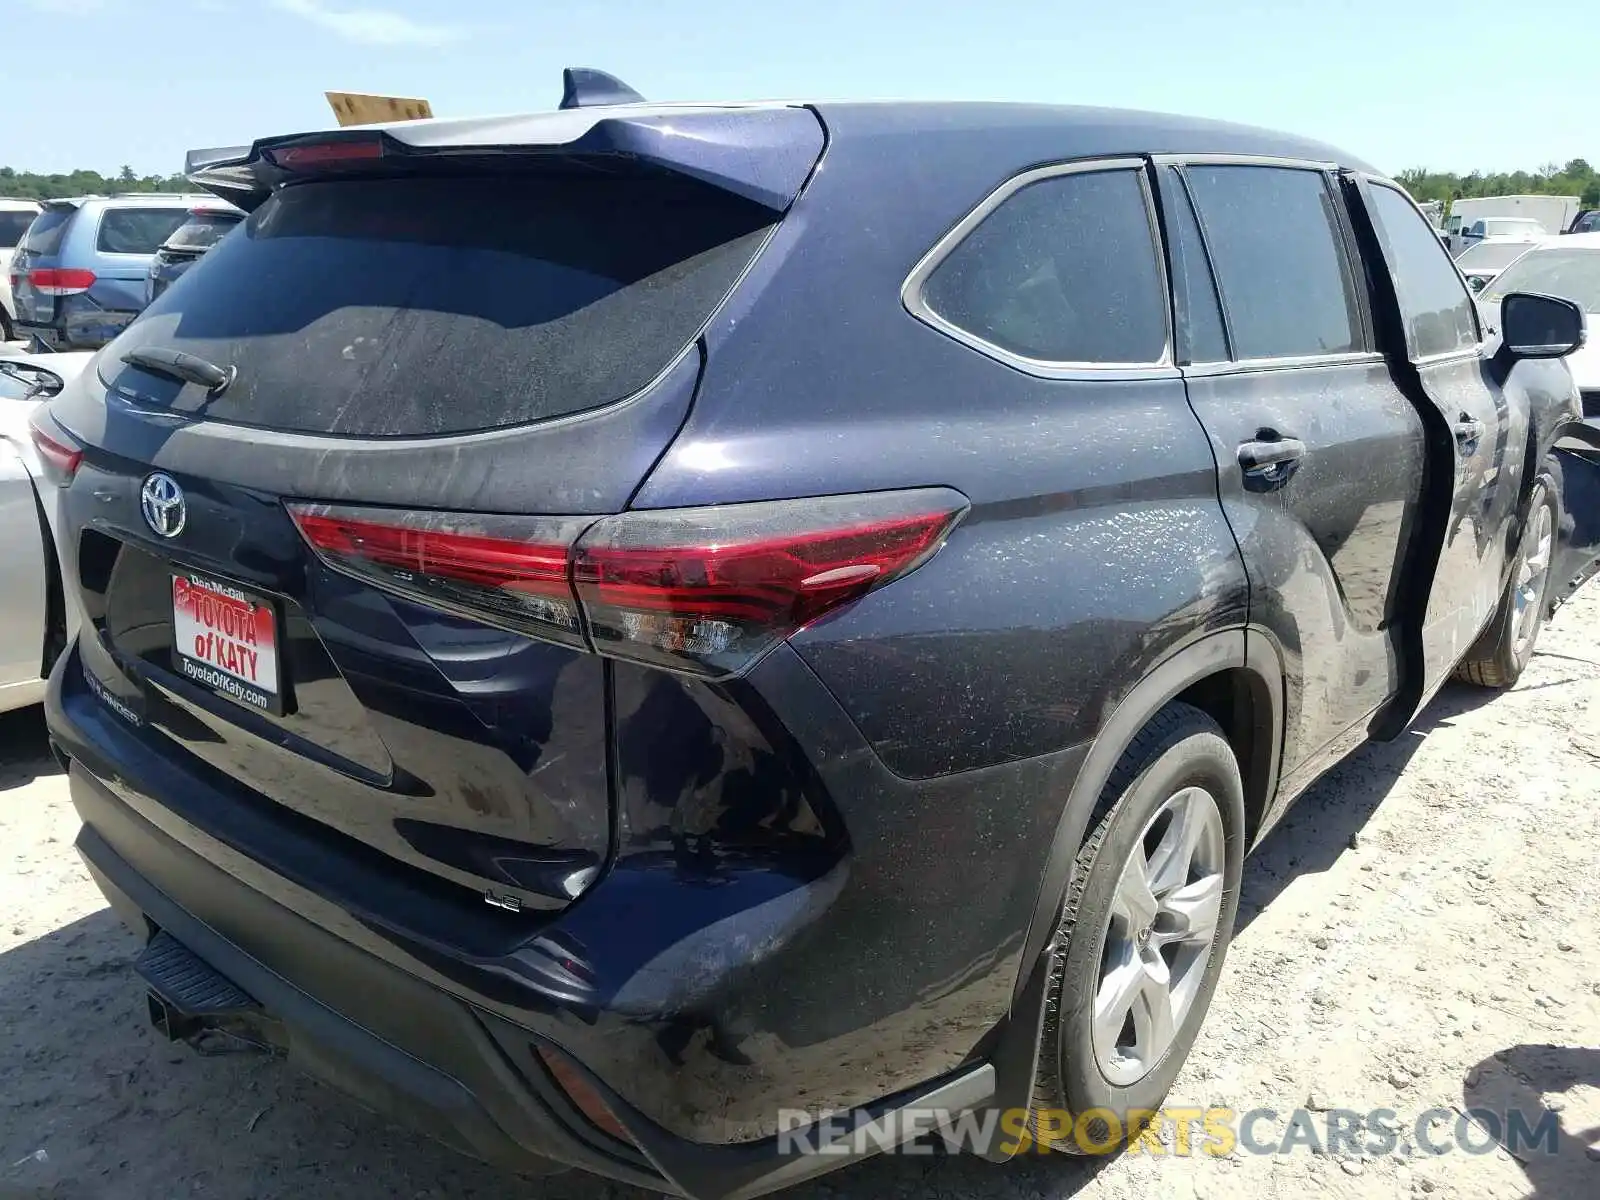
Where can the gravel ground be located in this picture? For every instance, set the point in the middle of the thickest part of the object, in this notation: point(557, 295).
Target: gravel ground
point(1421, 932)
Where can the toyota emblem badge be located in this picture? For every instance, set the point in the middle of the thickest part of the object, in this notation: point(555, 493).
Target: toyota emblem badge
point(161, 501)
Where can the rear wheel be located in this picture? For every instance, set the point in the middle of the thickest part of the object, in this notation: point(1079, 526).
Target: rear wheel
point(1144, 930)
point(8, 331)
point(1506, 647)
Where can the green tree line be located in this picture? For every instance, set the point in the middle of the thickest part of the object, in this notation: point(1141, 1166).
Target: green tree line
point(27, 185)
point(1576, 178)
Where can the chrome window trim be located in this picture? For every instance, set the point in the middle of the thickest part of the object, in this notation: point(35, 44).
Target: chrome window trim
point(1242, 160)
point(1461, 353)
point(1293, 362)
point(911, 291)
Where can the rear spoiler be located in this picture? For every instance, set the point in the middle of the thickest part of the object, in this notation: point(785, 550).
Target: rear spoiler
point(762, 152)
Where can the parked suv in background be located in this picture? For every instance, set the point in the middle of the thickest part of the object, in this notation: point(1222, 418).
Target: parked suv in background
point(1587, 221)
point(608, 625)
point(15, 217)
point(78, 275)
point(203, 229)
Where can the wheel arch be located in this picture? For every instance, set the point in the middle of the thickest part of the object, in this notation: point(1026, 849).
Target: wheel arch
point(1236, 678)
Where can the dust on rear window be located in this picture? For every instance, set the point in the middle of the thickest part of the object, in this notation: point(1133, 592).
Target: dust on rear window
point(425, 306)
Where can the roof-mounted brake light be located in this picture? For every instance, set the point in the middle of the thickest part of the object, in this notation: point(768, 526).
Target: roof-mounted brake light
point(324, 156)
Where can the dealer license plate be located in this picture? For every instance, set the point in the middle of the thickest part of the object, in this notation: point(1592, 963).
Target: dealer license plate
point(227, 640)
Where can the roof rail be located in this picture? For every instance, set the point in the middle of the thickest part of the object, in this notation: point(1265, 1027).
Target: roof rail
point(585, 87)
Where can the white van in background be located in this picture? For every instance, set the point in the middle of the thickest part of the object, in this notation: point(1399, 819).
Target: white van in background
point(1551, 213)
point(15, 217)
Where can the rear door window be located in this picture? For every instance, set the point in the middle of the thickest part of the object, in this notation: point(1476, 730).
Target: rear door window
point(427, 305)
point(1278, 248)
point(1438, 310)
point(137, 230)
point(1064, 270)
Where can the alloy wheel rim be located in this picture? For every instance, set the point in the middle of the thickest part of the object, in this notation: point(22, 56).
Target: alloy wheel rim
point(1159, 936)
point(1532, 572)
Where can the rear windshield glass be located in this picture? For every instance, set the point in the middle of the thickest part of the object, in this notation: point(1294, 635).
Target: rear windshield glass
point(1570, 274)
point(48, 228)
point(137, 230)
point(202, 230)
point(13, 224)
point(1491, 256)
point(423, 306)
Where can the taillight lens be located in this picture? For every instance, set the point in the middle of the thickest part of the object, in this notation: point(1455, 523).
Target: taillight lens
point(326, 156)
point(60, 281)
point(59, 457)
point(510, 571)
point(711, 589)
point(702, 590)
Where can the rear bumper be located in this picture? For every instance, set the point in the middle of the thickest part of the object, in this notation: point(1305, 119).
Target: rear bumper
point(451, 1047)
point(79, 324)
point(451, 1082)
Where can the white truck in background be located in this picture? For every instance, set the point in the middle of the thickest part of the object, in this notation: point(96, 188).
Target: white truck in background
point(1553, 213)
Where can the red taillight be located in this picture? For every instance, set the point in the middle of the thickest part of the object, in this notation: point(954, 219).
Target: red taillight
point(60, 459)
point(704, 590)
point(311, 156)
point(711, 589)
point(60, 281)
point(510, 570)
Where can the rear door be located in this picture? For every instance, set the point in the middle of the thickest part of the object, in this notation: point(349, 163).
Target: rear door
point(1486, 425)
point(434, 378)
point(1319, 455)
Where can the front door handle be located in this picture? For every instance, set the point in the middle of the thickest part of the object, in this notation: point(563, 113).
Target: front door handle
point(1469, 432)
point(1270, 461)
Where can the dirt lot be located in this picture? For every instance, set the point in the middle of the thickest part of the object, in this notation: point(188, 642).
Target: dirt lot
point(1423, 931)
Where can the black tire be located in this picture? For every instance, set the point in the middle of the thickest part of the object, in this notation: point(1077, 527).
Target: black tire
point(8, 332)
point(1179, 748)
point(1497, 659)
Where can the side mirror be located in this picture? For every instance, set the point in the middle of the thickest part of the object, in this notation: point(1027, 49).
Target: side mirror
point(1535, 326)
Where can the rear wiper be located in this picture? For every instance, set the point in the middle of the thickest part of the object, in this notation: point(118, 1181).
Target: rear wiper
point(185, 368)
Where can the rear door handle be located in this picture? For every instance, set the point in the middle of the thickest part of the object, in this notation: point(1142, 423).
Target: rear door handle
point(1469, 432)
point(1270, 461)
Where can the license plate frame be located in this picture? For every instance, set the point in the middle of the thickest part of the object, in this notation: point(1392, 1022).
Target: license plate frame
point(237, 637)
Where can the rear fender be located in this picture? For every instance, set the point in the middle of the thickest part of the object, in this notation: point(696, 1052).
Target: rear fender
point(1577, 552)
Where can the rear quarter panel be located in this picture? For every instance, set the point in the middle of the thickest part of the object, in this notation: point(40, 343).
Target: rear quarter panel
point(953, 708)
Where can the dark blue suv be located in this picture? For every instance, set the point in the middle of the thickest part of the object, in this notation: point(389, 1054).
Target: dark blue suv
point(605, 628)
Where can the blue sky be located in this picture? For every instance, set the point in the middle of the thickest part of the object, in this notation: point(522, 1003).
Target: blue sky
point(1495, 86)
